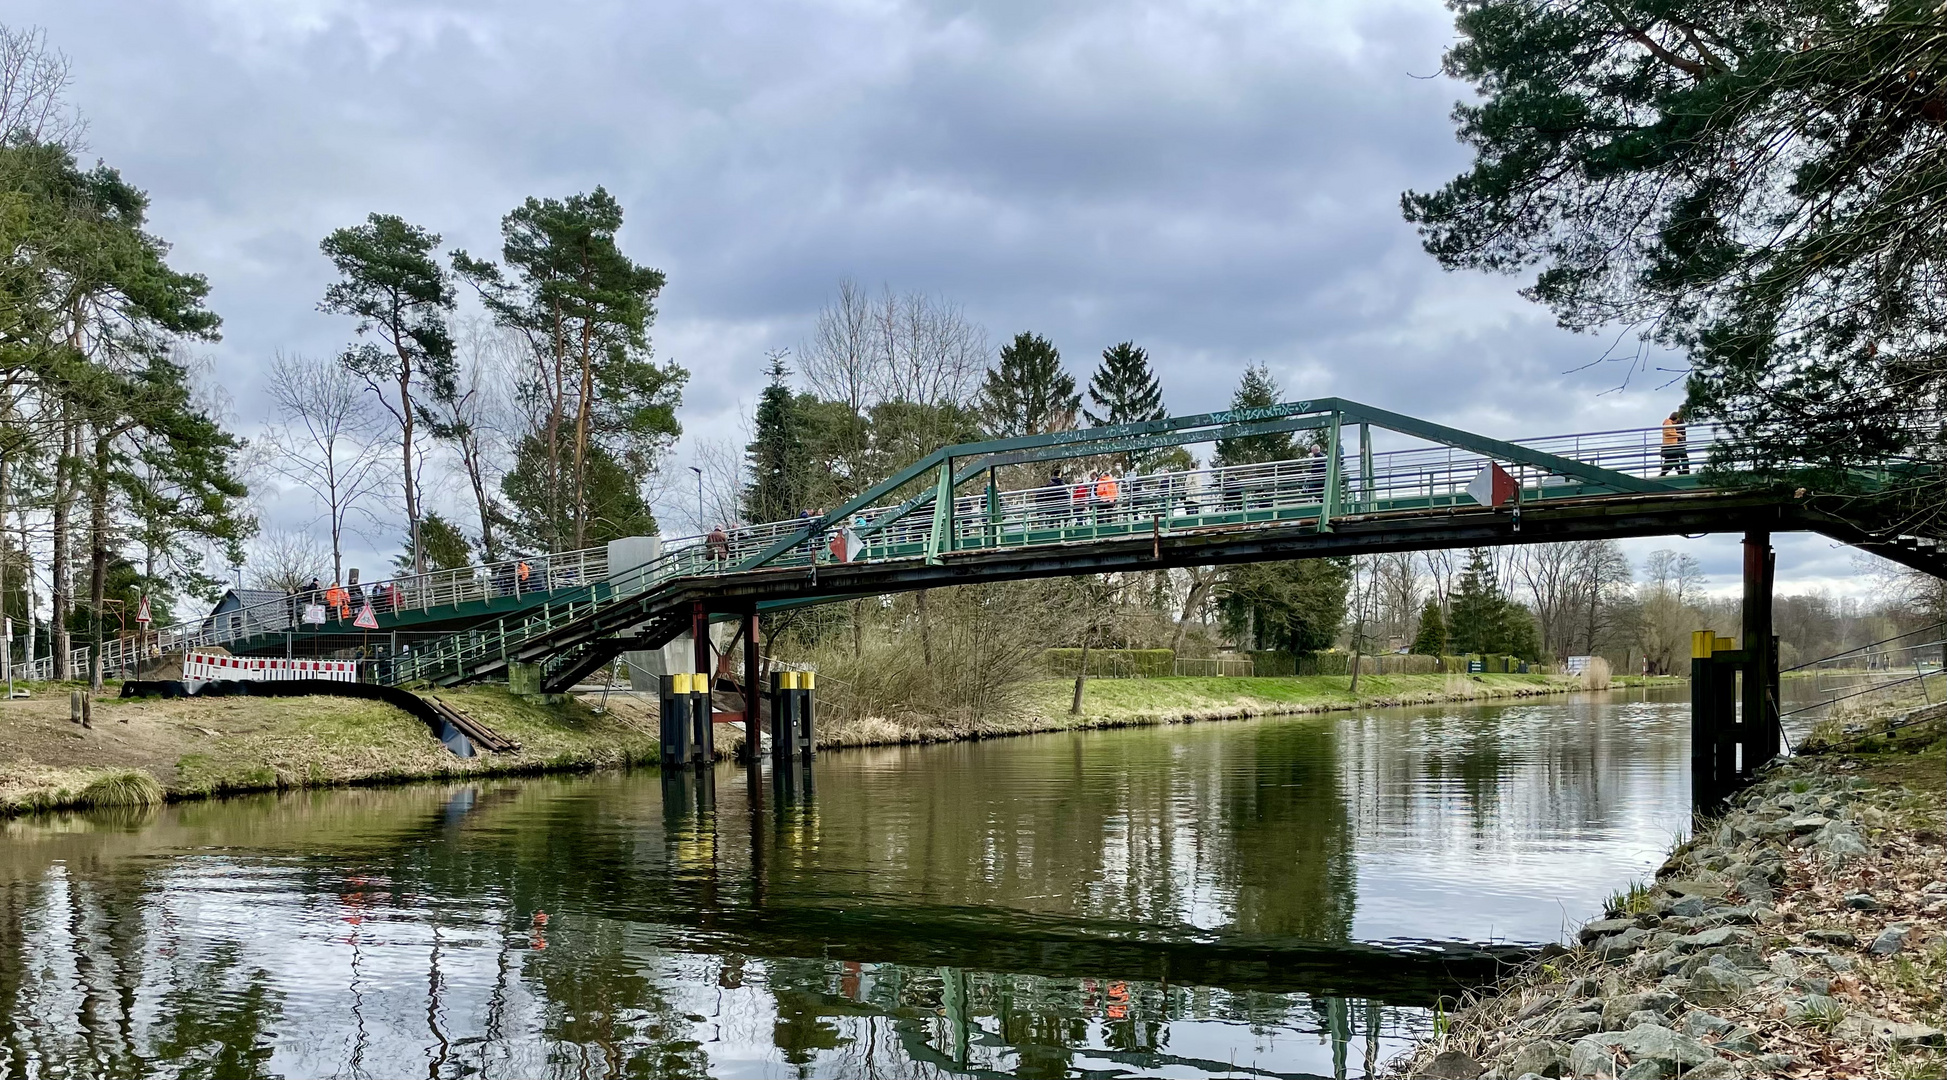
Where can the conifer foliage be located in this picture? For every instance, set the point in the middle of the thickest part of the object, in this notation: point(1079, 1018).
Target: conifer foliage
point(1485, 619)
point(1431, 640)
point(776, 454)
point(1124, 389)
point(1028, 393)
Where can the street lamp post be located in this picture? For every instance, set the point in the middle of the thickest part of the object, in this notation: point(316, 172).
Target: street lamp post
point(699, 498)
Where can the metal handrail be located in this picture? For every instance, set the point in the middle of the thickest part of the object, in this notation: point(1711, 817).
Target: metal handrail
point(1277, 490)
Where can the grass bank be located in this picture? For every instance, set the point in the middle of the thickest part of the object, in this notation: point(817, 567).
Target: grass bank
point(151, 750)
point(1108, 703)
point(146, 750)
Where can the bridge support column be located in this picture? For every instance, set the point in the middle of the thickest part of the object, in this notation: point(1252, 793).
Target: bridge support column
point(1761, 725)
point(675, 720)
point(784, 715)
point(753, 698)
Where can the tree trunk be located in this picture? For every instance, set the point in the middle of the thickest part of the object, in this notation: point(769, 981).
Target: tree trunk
point(556, 397)
point(1081, 672)
point(585, 402)
point(405, 457)
point(60, 597)
point(925, 629)
point(858, 628)
point(98, 554)
point(1202, 580)
point(475, 474)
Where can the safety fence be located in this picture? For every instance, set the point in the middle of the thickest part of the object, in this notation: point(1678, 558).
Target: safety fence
point(208, 667)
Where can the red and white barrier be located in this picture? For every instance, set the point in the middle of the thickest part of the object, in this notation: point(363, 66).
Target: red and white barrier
point(210, 666)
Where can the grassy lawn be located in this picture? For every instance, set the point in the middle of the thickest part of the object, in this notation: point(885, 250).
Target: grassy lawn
point(206, 746)
point(1217, 697)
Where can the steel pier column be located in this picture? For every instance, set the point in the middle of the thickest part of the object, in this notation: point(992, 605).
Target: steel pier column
point(1761, 734)
point(753, 698)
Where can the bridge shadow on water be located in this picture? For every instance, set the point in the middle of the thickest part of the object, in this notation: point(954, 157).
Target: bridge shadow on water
point(1160, 901)
point(1047, 945)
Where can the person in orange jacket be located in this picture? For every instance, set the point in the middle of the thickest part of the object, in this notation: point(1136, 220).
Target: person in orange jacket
point(1106, 492)
point(338, 601)
point(1676, 445)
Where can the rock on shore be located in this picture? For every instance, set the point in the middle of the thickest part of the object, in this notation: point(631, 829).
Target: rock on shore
point(1793, 936)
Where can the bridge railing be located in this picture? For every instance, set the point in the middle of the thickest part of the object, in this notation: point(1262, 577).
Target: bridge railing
point(1279, 490)
point(424, 593)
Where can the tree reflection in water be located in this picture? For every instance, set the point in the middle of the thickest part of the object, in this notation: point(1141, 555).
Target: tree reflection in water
point(1180, 900)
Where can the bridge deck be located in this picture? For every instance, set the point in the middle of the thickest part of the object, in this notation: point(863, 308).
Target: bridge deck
point(979, 512)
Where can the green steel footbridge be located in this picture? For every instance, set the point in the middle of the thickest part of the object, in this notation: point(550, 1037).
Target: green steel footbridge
point(1377, 481)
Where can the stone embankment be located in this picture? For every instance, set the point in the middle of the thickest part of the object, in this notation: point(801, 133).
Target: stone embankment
point(1800, 934)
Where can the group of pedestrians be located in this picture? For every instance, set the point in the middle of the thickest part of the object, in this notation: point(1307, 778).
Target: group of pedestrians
point(1091, 496)
point(339, 603)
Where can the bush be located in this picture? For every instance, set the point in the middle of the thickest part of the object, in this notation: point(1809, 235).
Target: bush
point(1596, 675)
point(127, 787)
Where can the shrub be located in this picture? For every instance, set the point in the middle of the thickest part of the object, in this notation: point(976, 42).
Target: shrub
point(125, 787)
point(1596, 675)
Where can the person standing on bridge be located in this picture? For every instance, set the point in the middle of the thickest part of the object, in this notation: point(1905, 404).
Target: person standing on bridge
point(338, 602)
point(717, 545)
point(1676, 445)
point(1051, 500)
point(1106, 494)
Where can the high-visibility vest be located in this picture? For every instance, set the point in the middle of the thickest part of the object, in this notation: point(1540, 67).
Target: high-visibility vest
point(1106, 490)
point(522, 570)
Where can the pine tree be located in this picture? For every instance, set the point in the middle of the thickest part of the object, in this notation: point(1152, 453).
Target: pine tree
point(1124, 388)
point(1029, 393)
point(1475, 623)
point(1432, 637)
point(1256, 390)
point(584, 308)
point(776, 452)
point(441, 544)
point(391, 283)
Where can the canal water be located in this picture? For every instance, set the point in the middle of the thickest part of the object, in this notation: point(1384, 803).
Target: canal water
point(1276, 897)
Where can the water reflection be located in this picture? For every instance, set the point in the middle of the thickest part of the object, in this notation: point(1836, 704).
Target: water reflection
point(1187, 901)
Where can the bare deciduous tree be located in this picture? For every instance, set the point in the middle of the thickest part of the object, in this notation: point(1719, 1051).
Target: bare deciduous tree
point(325, 441)
point(285, 561)
point(909, 347)
point(34, 82)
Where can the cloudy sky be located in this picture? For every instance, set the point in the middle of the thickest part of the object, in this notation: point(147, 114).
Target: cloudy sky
point(1217, 180)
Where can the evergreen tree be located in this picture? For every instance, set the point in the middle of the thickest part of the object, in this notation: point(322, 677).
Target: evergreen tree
point(1485, 619)
point(584, 309)
point(1295, 606)
point(1125, 389)
point(1432, 637)
point(777, 456)
point(442, 544)
point(1028, 393)
point(390, 282)
point(1753, 182)
point(611, 501)
point(1256, 390)
point(1475, 623)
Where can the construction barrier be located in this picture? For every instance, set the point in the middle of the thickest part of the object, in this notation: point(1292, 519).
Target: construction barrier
point(209, 667)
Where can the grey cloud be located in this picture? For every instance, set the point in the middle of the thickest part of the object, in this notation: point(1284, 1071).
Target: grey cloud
point(1218, 182)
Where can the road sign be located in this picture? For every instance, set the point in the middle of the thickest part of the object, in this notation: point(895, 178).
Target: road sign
point(367, 618)
point(314, 614)
point(142, 612)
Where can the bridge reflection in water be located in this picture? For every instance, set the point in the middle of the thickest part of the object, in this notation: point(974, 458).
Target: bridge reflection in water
point(1222, 899)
